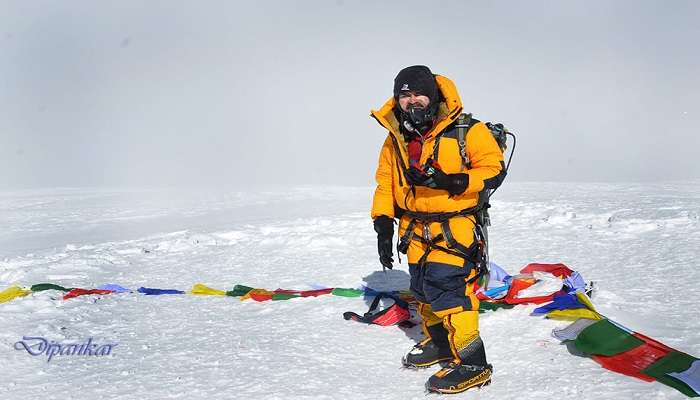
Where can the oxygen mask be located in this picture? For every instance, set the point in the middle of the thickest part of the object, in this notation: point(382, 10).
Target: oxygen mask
point(418, 118)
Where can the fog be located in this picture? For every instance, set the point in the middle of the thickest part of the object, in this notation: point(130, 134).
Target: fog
point(234, 94)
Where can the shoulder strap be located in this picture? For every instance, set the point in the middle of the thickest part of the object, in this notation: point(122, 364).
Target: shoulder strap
point(457, 130)
point(464, 123)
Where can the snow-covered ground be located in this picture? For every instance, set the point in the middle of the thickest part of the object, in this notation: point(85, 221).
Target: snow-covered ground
point(638, 242)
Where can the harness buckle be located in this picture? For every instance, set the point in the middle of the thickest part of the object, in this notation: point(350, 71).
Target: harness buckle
point(426, 232)
point(402, 247)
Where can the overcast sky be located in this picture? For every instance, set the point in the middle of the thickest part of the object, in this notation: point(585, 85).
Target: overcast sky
point(141, 93)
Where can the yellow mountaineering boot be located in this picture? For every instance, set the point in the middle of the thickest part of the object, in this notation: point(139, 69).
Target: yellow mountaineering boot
point(431, 350)
point(468, 371)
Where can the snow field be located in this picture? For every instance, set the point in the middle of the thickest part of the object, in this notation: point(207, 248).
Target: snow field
point(637, 242)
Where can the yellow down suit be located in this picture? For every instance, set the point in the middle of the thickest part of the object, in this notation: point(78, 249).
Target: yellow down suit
point(440, 280)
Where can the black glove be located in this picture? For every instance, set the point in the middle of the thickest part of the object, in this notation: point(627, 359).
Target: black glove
point(384, 226)
point(436, 179)
point(416, 177)
point(453, 183)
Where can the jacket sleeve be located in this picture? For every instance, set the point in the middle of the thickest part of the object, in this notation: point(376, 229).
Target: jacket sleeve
point(383, 202)
point(486, 158)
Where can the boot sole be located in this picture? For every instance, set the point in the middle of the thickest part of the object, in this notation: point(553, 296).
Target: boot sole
point(408, 365)
point(453, 390)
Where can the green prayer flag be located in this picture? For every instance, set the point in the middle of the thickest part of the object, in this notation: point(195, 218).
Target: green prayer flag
point(48, 286)
point(489, 306)
point(239, 290)
point(606, 339)
point(674, 361)
point(284, 296)
point(347, 292)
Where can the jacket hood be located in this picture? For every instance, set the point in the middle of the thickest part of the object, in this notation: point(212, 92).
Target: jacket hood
point(449, 109)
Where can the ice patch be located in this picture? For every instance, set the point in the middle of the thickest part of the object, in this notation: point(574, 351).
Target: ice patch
point(232, 237)
point(133, 250)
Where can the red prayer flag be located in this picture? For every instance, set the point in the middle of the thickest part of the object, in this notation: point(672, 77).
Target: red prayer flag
point(517, 285)
point(314, 293)
point(80, 292)
point(261, 296)
point(558, 270)
point(287, 291)
point(634, 361)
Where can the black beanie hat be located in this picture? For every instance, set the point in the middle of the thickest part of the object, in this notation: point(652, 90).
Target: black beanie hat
point(417, 79)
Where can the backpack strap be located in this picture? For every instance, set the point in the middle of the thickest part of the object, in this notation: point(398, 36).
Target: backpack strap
point(458, 130)
point(464, 123)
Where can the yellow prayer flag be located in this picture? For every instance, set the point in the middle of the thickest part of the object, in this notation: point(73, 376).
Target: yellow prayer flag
point(201, 289)
point(573, 314)
point(13, 292)
point(585, 300)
